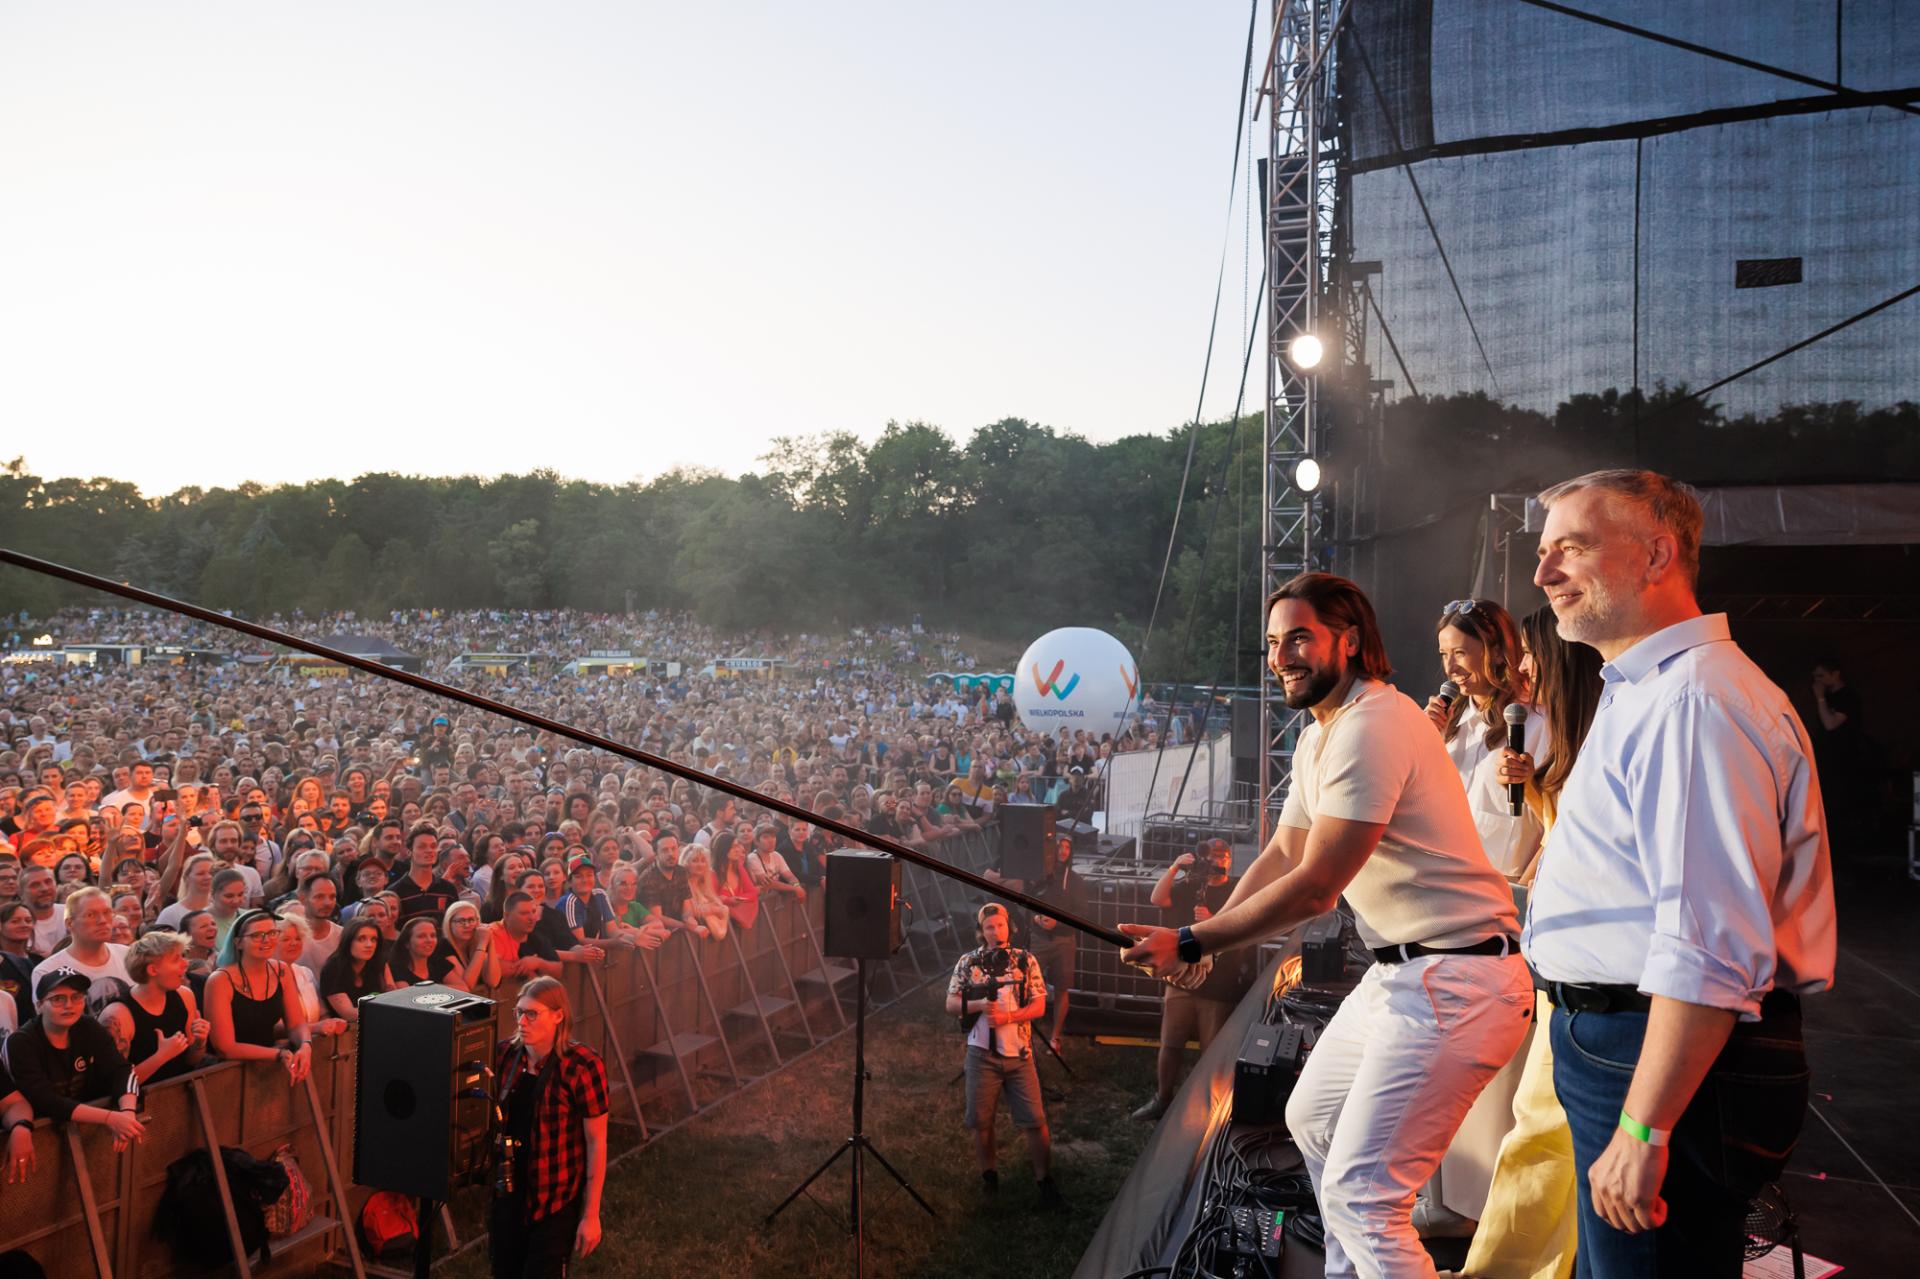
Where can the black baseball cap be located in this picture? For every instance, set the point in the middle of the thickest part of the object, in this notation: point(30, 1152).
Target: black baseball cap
point(61, 978)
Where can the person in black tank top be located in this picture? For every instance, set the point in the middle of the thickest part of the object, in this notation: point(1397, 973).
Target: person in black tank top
point(172, 1040)
point(248, 995)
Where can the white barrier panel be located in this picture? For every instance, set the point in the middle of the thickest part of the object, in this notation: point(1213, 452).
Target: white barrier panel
point(1129, 776)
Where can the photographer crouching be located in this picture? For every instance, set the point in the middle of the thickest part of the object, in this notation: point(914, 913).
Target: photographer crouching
point(998, 993)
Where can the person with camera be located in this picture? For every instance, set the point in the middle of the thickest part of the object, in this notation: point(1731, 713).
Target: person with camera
point(550, 1143)
point(1192, 889)
point(998, 993)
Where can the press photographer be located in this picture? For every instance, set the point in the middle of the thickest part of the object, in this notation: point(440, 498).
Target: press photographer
point(998, 993)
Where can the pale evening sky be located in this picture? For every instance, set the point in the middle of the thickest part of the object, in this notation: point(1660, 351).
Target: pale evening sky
point(280, 242)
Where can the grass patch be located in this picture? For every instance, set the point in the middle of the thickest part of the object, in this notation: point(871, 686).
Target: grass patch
point(693, 1201)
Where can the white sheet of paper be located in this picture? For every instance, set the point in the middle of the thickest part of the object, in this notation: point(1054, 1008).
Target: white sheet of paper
point(1778, 1264)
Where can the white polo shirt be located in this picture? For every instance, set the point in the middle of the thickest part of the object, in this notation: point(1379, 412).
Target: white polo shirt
point(1377, 759)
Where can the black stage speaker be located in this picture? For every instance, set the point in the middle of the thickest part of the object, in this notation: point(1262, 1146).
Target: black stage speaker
point(863, 904)
point(422, 1049)
point(1026, 832)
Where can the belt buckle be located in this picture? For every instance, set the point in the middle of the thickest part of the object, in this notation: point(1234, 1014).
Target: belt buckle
point(1583, 999)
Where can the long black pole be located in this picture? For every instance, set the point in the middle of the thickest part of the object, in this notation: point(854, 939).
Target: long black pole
point(153, 599)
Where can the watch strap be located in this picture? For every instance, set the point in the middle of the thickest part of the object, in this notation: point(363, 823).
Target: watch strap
point(1189, 945)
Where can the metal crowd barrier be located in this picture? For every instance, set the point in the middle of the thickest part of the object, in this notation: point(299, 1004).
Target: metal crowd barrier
point(682, 1029)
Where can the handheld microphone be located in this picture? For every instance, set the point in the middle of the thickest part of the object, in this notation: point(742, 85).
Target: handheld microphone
point(1516, 717)
point(1449, 694)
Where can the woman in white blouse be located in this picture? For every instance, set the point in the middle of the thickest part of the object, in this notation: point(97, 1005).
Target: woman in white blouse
point(1480, 651)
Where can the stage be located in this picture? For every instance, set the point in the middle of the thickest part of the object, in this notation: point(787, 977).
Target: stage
point(1854, 1181)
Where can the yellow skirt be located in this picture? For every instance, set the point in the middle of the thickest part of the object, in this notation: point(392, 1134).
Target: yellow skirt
point(1528, 1228)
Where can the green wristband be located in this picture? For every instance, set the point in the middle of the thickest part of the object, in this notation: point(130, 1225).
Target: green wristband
point(1640, 1132)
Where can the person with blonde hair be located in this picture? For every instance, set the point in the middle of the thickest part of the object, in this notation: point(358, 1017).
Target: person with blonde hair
point(552, 1152)
point(169, 1034)
point(706, 915)
point(474, 957)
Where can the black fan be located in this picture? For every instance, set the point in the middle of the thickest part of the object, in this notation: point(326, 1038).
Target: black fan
point(1770, 1223)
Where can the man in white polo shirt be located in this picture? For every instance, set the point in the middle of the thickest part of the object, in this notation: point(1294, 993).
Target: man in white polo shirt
point(1378, 812)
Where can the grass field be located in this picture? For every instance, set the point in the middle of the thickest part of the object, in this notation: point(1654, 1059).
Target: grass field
point(693, 1201)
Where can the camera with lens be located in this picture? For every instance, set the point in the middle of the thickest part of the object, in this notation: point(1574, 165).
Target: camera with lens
point(995, 964)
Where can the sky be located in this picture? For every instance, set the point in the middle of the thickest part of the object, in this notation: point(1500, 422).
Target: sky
point(281, 242)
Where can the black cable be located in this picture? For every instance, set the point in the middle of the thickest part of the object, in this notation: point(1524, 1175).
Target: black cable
point(1393, 131)
point(1213, 328)
point(1392, 345)
point(1705, 51)
point(1801, 345)
point(478, 701)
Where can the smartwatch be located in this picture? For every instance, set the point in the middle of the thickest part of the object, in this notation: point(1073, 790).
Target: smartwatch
point(1189, 947)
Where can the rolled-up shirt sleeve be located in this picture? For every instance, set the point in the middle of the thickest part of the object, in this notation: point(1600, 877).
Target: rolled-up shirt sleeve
point(1706, 808)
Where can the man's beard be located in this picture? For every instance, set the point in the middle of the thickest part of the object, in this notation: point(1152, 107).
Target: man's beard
point(1595, 616)
point(1320, 682)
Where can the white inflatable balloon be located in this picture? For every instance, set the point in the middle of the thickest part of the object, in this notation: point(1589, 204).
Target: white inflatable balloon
point(1076, 678)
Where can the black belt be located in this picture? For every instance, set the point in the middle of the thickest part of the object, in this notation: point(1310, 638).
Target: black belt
point(1501, 945)
point(1583, 997)
point(1586, 997)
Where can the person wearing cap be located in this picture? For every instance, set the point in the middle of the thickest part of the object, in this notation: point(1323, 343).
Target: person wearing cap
point(584, 905)
point(1193, 888)
point(65, 1063)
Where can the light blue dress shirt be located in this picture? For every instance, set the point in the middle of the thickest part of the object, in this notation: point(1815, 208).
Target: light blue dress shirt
point(1689, 857)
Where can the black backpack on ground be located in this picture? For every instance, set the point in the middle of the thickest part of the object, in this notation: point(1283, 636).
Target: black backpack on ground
point(189, 1215)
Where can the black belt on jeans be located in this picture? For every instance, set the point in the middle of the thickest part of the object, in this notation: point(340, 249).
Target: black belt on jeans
point(1584, 997)
point(1501, 945)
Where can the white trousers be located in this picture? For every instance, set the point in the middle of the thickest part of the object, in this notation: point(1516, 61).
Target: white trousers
point(1386, 1088)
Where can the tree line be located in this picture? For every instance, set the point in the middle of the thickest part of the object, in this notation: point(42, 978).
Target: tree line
point(1015, 530)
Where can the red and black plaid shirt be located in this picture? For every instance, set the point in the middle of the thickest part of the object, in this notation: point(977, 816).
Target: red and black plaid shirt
point(557, 1156)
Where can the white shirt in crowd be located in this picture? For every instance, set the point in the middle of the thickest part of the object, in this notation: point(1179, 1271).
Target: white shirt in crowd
point(1689, 858)
point(319, 950)
point(103, 974)
point(1508, 841)
point(1378, 760)
point(50, 932)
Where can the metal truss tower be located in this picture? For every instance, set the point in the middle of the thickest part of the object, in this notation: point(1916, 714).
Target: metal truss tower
point(1299, 191)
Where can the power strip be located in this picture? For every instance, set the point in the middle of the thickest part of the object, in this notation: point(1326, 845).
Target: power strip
point(1257, 1234)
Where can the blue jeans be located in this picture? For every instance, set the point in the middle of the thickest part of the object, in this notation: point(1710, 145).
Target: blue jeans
point(1734, 1137)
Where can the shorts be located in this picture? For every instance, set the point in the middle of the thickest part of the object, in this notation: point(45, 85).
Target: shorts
point(1185, 1015)
point(987, 1074)
point(1058, 964)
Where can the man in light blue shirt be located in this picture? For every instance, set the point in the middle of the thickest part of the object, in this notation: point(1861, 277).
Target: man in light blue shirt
point(1685, 897)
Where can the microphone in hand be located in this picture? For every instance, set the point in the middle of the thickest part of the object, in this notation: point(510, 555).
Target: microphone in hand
point(1516, 717)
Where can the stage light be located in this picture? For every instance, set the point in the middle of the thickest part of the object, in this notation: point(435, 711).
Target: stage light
point(1304, 351)
point(1306, 475)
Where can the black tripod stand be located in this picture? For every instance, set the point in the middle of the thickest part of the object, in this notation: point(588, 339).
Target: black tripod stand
point(858, 1143)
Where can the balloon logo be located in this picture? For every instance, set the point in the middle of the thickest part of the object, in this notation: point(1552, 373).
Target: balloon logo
point(1075, 678)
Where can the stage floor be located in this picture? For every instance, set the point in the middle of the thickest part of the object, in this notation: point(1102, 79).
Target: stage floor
point(1855, 1180)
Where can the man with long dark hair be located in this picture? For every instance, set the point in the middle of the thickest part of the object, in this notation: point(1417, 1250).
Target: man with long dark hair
point(1376, 811)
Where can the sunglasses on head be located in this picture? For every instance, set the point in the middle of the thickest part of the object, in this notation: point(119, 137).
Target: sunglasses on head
point(1457, 606)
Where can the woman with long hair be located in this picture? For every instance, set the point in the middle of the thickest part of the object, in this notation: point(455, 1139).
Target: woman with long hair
point(506, 868)
point(733, 881)
point(357, 968)
point(706, 915)
point(1528, 1227)
point(250, 995)
point(552, 1093)
point(470, 945)
point(416, 956)
point(17, 955)
point(1480, 652)
point(195, 892)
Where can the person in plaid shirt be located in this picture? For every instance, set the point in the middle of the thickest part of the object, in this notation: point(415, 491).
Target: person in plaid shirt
point(553, 1100)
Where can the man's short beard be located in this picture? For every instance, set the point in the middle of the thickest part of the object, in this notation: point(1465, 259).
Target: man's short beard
point(1596, 619)
point(1320, 683)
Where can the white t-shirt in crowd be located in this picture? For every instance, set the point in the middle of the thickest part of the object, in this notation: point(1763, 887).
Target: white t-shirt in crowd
point(319, 950)
point(1509, 841)
point(171, 916)
point(1428, 882)
point(109, 977)
point(49, 932)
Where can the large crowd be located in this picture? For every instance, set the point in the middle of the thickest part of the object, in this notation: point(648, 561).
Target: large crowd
point(219, 859)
